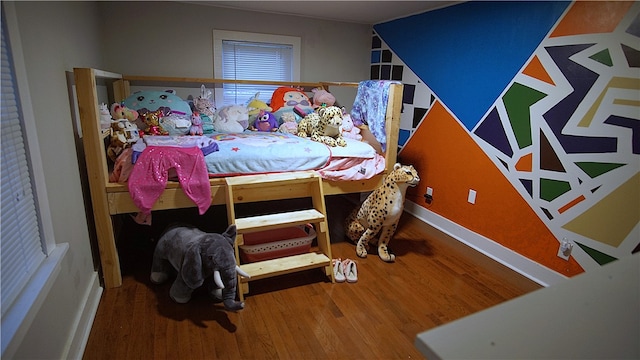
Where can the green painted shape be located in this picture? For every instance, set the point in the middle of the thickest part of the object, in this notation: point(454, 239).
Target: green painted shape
point(600, 257)
point(552, 189)
point(603, 57)
point(517, 101)
point(595, 169)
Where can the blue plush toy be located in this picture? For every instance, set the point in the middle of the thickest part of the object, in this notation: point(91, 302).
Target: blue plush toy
point(265, 121)
point(150, 101)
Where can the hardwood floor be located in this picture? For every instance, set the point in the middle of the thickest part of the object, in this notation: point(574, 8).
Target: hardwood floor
point(434, 280)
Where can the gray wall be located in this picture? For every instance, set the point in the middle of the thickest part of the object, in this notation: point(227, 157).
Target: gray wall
point(138, 38)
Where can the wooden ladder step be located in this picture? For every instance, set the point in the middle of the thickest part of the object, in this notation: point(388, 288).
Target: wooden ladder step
point(285, 265)
point(280, 220)
point(267, 179)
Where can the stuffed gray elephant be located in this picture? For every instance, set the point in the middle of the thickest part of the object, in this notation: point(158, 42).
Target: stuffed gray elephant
point(198, 256)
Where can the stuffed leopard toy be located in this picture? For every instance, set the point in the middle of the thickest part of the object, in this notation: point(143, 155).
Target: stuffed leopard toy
point(380, 212)
point(323, 126)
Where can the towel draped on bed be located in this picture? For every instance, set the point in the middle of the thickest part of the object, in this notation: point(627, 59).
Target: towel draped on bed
point(370, 107)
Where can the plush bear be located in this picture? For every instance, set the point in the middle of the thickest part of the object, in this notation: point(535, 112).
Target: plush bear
point(198, 256)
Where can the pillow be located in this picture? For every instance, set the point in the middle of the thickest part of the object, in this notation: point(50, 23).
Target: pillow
point(354, 149)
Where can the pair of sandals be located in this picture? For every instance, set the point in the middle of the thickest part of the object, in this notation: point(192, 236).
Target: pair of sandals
point(345, 270)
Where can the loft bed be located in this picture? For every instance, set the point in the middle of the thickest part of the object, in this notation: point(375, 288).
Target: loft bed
point(110, 198)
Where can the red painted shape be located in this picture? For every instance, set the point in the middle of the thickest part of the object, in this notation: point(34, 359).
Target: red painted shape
point(450, 162)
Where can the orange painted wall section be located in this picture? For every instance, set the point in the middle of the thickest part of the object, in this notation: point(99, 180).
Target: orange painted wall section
point(591, 17)
point(450, 162)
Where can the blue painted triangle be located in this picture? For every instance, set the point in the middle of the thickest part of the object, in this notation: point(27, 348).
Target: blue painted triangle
point(468, 53)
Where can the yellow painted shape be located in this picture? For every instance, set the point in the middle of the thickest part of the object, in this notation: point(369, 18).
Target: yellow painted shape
point(611, 220)
point(615, 82)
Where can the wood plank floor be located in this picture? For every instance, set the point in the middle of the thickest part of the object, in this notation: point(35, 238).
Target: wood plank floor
point(434, 280)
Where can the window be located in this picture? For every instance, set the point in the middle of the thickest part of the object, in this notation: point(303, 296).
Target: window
point(29, 258)
point(248, 56)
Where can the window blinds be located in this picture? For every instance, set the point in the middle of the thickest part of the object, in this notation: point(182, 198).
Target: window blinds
point(20, 240)
point(242, 60)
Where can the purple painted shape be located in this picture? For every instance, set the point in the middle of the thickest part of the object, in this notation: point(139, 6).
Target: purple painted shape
point(492, 131)
point(632, 124)
point(581, 80)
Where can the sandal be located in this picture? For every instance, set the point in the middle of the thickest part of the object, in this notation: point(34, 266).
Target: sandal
point(350, 270)
point(338, 270)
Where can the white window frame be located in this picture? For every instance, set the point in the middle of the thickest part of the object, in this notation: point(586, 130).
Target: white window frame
point(18, 317)
point(220, 35)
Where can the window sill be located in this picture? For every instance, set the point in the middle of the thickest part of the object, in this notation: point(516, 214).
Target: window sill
point(18, 319)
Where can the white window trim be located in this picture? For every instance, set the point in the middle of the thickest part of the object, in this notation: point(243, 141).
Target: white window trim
point(220, 35)
point(18, 319)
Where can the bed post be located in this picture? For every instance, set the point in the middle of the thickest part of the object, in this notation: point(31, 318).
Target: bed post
point(394, 109)
point(98, 173)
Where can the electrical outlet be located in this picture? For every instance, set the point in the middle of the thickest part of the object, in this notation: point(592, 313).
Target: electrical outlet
point(428, 197)
point(472, 196)
point(564, 251)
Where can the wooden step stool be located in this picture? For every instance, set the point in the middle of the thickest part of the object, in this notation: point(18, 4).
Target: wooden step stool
point(256, 188)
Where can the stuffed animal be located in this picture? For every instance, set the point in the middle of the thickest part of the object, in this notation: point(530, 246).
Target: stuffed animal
point(348, 129)
point(231, 119)
point(265, 122)
point(196, 124)
point(105, 117)
point(204, 104)
point(164, 101)
point(198, 256)
point(119, 111)
point(322, 97)
point(289, 124)
point(254, 105)
point(323, 126)
point(152, 122)
point(123, 134)
point(290, 99)
point(380, 212)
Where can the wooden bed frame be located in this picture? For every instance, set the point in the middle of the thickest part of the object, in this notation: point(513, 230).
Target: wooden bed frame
point(109, 199)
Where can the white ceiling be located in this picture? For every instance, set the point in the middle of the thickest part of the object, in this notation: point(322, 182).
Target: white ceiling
point(361, 12)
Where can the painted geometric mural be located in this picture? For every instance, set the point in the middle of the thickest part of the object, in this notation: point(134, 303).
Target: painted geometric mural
point(417, 97)
point(564, 129)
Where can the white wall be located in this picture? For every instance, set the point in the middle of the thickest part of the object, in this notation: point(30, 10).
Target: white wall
point(176, 39)
point(54, 38)
point(138, 38)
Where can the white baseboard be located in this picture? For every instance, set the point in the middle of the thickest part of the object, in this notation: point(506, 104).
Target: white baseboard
point(505, 256)
point(77, 343)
